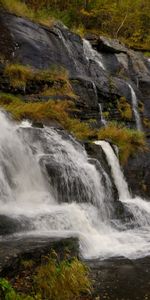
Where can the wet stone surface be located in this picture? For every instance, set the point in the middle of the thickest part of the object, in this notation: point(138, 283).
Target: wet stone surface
point(121, 279)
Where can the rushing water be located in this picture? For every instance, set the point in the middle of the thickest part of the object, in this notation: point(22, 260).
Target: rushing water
point(135, 108)
point(75, 199)
point(92, 54)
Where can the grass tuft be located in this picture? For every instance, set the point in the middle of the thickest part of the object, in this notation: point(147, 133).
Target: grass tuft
point(58, 111)
point(18, 74)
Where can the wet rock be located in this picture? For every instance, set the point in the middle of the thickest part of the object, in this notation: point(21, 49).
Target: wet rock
point(9, 225)
point(16, 249)
point(137, 174)
point(120, 278)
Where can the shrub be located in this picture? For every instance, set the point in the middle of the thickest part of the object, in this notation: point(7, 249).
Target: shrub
point(64, 280)
point(129, 141)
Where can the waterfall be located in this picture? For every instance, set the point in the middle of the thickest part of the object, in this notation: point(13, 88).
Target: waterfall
point(92, 54)
point(116, 170)
point(135, 108)
point(50, 186)
point(103, 120)
point(139, 208)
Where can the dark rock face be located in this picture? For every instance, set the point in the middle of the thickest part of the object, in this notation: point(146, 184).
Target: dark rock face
point(137, 174)
point(10, 225)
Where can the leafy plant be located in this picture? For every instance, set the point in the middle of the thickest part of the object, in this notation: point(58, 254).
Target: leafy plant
point(8, 293)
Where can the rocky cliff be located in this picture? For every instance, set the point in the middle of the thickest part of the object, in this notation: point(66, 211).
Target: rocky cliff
point(105, 75)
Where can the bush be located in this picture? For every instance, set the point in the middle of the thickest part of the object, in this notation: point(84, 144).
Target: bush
point(65, 280)
point(129, 141)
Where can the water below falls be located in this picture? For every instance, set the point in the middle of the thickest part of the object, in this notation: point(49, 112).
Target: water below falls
point(50, 186)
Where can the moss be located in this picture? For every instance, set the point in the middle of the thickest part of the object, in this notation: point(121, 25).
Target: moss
point(141, 106)
point(124, 109)
point(106, 114)
point(129, 141)
point(146, 122)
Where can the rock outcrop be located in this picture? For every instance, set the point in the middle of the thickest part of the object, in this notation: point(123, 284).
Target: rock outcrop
point(101, 72)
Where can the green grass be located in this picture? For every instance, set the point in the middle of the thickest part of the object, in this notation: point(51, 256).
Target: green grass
point(129, 141)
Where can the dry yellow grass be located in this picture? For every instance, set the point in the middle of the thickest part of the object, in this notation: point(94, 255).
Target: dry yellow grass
point(58, 111)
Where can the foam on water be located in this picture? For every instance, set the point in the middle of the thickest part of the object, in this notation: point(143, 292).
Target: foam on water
point(84, 209)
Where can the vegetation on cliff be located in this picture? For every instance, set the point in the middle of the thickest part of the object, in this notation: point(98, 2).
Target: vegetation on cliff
point(46, 112)
point(126, 20)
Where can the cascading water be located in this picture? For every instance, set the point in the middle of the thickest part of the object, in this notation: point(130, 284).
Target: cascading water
point(74, 200)
point(103, 120)
point(135, 108)
point(92, 54)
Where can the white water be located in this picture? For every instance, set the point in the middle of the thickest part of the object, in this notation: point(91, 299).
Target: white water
point(135, 108)
point(27, 193)
point(137, 206)
point(99, 104)
point(92, 54)
point(103, 120)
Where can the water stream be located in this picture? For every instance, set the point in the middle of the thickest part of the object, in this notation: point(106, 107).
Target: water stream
point(92, 54)
point(48, 181)
point(135, 108)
